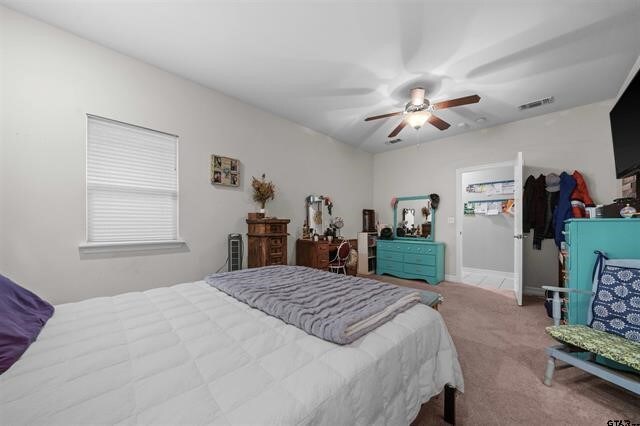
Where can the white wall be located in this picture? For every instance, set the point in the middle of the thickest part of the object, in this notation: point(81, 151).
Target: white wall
point(50, 79)
point(578, 138)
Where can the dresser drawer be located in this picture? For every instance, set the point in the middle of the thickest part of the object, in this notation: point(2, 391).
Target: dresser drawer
point(389, 266)
point(276, 228)
point(390, 246)
point(275, 242)
point(275, 251)
point(419, 269)
point(420, 249)
point(390, 255)
point(406, 247)
point(276, 259)
point(420, 259)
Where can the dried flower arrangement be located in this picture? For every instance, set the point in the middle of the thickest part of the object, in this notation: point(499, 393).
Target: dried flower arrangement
point(263, 190)
point(329, 203)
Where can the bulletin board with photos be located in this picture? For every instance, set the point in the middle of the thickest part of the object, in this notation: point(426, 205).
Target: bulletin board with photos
point(225, 171)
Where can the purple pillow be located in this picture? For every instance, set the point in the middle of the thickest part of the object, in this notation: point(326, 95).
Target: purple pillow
point(22, 316)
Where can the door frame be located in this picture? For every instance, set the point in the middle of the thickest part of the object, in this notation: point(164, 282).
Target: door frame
point(460, 207)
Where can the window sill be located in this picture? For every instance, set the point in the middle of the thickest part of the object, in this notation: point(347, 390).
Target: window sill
point(132, 246)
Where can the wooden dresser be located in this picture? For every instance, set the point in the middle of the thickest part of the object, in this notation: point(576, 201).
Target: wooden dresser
point(315, 254)
point(267, 242)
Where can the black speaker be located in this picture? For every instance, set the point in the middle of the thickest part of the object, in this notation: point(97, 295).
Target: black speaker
point(386, 234)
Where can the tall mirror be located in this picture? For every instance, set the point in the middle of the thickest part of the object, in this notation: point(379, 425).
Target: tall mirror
point(315, 217)
point(414, 217)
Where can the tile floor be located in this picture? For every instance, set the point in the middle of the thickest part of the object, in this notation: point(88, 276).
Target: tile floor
point(490, 281)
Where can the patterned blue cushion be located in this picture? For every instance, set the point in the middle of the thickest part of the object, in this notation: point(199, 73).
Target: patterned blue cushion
point(616, 305)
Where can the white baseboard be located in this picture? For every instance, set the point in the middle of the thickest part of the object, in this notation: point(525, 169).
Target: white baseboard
point(451, 278)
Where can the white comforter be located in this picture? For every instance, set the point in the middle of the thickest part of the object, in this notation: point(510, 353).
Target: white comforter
point(189, 354)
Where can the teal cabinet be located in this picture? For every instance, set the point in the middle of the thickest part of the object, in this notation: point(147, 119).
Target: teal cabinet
point(413, 258)
point(617, 238)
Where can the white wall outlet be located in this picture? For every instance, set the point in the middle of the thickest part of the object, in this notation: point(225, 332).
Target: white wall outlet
point(451, 219)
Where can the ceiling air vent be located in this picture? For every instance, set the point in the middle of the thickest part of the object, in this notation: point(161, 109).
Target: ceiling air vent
point(393, 141)
point(537, 103)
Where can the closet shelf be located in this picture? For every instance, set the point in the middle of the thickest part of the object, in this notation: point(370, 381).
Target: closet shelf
point(492, 182)
point(492, 200)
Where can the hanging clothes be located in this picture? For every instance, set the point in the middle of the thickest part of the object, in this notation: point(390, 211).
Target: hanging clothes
point(563, 210)
point(527, 204)
point(580, 197)
point(539, 211)
point(553, 194)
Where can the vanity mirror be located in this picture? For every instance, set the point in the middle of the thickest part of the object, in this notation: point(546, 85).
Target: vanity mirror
point(315, 216)
point(414, 217)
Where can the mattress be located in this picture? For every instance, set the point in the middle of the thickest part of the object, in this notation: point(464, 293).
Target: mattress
point(190, 354)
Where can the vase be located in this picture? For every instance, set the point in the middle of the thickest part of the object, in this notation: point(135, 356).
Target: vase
point(627, 211)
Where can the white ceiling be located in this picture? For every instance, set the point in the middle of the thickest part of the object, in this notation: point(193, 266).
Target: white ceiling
point(329, 64)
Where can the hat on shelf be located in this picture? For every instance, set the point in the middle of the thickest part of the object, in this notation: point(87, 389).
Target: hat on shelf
point(553, 182)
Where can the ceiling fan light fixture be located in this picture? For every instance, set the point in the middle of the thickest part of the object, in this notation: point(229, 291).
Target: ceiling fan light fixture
point(417, 119)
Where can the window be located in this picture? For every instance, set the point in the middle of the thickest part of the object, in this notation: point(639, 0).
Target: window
point(132, 185)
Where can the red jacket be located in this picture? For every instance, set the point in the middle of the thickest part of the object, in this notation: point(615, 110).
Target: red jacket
point(580, 196)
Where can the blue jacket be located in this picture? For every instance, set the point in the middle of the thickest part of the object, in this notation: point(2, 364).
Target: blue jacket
point(563, 211)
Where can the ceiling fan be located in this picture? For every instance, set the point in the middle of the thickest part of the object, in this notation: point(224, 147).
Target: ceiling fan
point(419, 110)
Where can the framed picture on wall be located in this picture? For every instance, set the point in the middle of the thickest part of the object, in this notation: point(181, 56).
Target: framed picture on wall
point(225, 171)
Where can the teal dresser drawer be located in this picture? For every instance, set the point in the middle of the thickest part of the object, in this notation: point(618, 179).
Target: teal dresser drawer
point(420, 259)
point(419, 249)
point(419, 269)
point(390, 246)
point(389, 265)
point(389, 255)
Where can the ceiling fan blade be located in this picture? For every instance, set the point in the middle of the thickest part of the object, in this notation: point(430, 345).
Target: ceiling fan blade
point(438, 122)
point(376, 117)
point(398, 129)
point(457, 102)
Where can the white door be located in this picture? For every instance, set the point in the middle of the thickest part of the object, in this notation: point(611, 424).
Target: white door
point(517, 227)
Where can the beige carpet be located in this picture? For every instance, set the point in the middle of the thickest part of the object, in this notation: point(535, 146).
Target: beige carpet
point(501, 351)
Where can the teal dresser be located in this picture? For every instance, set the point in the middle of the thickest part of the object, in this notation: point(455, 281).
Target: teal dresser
point(415, 258)
point(617, 238)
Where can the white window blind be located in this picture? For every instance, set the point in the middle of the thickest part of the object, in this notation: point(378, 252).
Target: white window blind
point(132, 183)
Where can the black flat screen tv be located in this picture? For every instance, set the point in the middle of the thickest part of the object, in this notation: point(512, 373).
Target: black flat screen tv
point(625, 129)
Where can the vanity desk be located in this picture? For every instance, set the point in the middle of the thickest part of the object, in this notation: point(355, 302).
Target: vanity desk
point(317, 254)
point(414, 255)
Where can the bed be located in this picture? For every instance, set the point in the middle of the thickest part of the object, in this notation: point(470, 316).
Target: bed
point(192, 354)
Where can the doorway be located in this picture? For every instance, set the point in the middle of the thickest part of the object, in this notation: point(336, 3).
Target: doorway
point(489, 226)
